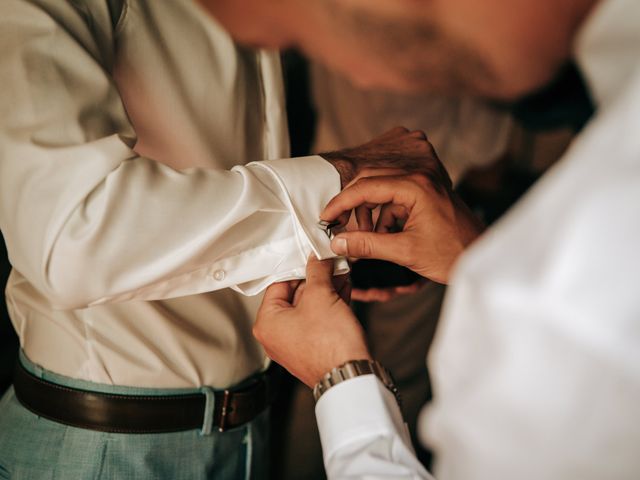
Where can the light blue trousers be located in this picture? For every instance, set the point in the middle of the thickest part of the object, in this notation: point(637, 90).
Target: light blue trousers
point(33, 448)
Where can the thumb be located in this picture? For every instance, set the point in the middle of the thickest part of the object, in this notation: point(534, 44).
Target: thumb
point(279, 295)
point(319, 272)
point(383, 246)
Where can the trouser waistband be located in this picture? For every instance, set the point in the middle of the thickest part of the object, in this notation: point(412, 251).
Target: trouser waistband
point(203, 408)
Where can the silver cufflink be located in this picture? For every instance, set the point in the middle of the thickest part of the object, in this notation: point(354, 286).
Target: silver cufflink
point(327, 226)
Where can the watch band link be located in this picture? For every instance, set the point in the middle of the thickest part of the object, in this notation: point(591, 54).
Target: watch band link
point(353, 369)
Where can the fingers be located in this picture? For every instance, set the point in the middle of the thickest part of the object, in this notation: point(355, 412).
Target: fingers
point(419, 134)
point(390, 218)
point(394, 132)
point(297, 295)
point(378, 172)
point(279, 295)
point(342, 284)
point(319, 273)
point(373, 295)
point(385, 294)
point(402, 131)
point(363, 217)
point(343, 220)
point(383, 246)
point(409, 289)
point(378, 190)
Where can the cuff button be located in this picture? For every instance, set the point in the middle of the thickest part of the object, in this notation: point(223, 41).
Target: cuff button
point(219, 275)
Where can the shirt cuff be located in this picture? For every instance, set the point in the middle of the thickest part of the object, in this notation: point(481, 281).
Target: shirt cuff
point(309, 183)
point(356, 410)
point(306, 185)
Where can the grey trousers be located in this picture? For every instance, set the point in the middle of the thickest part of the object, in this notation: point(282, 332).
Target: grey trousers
point(33, 448)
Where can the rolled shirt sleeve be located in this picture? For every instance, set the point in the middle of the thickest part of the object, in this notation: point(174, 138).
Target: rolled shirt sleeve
point(89, 221)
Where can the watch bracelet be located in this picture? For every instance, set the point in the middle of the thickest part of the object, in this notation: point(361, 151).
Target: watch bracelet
point(353, 369)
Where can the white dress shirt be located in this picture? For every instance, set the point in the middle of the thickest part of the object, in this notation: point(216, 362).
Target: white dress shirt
point(132, 195)
point(536, 362)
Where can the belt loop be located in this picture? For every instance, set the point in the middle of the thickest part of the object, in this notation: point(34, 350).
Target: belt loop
point(38, 371)
point(225, 411)
point(209, 407)
point(35, 369)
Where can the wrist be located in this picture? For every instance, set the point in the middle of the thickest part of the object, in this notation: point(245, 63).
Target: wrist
point(344, 166)
point(353, 369)
point(336, 360)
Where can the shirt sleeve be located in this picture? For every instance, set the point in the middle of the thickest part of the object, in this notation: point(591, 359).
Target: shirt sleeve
point(363, 434)
point(88, 221)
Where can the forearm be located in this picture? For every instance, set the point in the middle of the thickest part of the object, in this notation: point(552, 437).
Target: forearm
point(147, 232)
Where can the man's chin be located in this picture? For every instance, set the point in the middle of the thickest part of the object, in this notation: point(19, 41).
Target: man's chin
point(396, 84)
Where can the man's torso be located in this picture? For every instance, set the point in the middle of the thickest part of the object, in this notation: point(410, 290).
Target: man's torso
point(194, 99)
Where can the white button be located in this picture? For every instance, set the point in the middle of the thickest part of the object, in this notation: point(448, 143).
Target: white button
point(219, 275)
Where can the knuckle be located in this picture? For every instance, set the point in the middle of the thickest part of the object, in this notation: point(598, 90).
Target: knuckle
point(361, 182)
point(258, 331)
point(364, 247)
point(421, 179)
point(362, 185)
point(409, 251)
point(426, 149)
point(419, 134)
point(356, 190)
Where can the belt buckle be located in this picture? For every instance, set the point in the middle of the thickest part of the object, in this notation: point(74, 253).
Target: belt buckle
point(223, 412)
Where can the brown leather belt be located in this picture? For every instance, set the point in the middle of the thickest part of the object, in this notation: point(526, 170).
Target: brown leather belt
point(143, 414)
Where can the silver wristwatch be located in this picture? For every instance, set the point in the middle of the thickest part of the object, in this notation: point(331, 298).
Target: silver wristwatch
point(353, 369)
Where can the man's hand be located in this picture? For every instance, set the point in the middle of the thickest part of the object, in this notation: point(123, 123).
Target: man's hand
point(436, 226)
point(308, 327)
point(378, 284)
point(397, 149)
point(386, 294)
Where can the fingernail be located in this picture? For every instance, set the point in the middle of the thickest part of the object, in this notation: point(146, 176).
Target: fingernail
point(339, 245)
